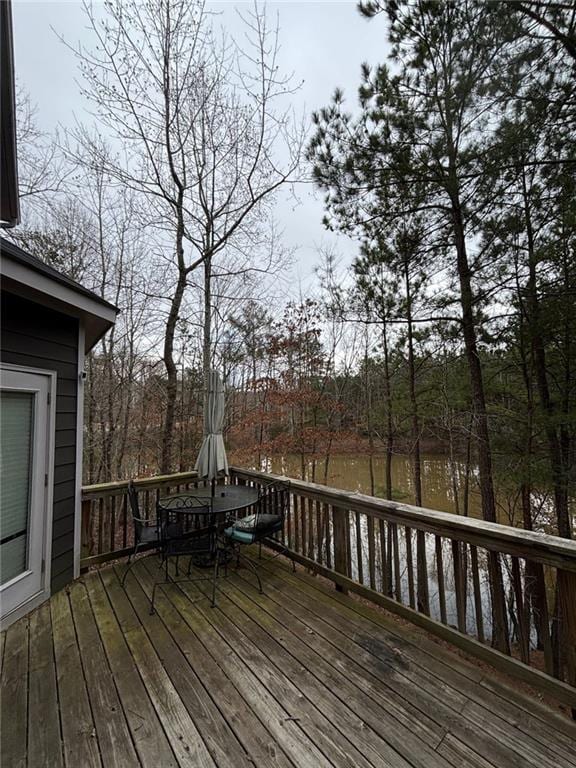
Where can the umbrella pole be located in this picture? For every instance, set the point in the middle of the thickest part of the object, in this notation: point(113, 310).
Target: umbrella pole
point(213, 484)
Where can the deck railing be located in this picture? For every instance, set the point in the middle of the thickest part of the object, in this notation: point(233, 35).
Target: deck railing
point(107, 531)
point(505, 595)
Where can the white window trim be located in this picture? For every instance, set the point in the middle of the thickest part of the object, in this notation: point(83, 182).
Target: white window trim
point(35, 600)
point(79, 450)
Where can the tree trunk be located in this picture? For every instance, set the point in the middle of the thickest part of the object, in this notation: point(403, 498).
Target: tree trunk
point(369, 417)
point(207, 333)
point(557, 461)
point(389, 422)
point(499, 621)
point(415, 448)
point(126, 418)
point(453, 470)
point(423, 598)
point(89, 393)
point(110, 430)
point(168, 356)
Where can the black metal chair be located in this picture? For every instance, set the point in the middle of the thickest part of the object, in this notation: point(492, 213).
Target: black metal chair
point(266, 522)
point(188, 528)
point(145, 531)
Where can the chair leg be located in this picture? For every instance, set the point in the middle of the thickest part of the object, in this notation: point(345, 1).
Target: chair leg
point(123, 580)
point(287, 553)
point(282, 551)
point(129, 564)
point(215, 576)
point(254, 570)
point(163, 562)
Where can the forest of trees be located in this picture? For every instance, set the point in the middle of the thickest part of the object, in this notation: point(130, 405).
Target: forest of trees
point(453, 170)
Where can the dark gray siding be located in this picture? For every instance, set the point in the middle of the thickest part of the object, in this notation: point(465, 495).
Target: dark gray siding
point(38, 337)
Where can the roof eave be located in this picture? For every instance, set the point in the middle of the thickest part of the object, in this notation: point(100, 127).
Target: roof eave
point(9, 198)
point(97, 316)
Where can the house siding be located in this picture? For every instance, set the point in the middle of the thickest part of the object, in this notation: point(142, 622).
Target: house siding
point(39, 337)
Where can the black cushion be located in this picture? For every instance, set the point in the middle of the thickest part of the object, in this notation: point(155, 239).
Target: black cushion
point(257, 523)
point(148, 534)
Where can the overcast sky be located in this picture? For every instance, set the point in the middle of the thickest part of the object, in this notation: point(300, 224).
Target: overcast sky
point(324, 43)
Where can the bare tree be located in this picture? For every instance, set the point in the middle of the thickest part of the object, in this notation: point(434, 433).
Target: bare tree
point(203, 132)
point(42, 170)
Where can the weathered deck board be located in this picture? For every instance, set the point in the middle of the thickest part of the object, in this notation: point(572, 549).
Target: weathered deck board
point(300, 676)
point(429, 717)
point(282, 724)
point(114, 739)
point(436, 667)
point(291, 683)
point(44, 742)
point(324, 719)
point(246, 726)
point(2, 644)
point(146, 730)
point(407, 670)
point(225, 749)
point(14, 696)
point(78, 731)
point(379, 726)
point(186, 742)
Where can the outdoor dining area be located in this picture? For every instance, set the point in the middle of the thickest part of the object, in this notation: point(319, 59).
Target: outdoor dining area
point(209, 525)
point(205, 526)
point(192, 639)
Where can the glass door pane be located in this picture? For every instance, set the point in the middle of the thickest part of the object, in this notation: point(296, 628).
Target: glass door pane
point(16, 444)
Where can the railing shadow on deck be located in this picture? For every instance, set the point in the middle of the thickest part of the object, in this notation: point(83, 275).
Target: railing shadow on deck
point(502, 594)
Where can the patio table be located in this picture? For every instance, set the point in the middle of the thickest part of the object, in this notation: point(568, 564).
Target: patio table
point(227, 498)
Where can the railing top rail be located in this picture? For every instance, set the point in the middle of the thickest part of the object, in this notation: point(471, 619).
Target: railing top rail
point(540, 547)
point(146, 483)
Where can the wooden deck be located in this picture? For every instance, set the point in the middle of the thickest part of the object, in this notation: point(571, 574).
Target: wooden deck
point(300, 676)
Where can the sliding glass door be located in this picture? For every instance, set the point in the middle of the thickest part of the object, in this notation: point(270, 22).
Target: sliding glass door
point(24, 457)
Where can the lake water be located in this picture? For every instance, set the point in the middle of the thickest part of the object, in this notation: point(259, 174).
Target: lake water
point(352, 473)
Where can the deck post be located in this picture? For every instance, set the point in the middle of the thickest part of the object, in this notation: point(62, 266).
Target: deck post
point(341, 538)
point(567, 601)
point(85, 540)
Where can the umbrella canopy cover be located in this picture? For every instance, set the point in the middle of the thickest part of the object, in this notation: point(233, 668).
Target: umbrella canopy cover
point(212, 460)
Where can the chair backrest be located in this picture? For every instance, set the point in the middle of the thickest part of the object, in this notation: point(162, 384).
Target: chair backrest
point(185, 515)
point(135, 509)
point(273, 499)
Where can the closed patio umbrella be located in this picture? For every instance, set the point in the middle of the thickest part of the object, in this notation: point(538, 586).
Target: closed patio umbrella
point(212, 460)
